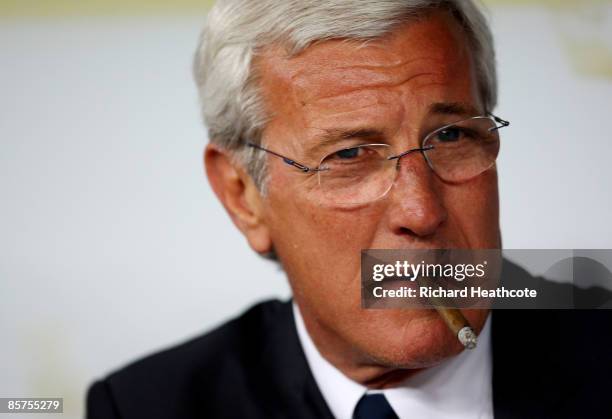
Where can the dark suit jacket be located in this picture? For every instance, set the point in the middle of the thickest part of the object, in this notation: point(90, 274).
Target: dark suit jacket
point(546, 364)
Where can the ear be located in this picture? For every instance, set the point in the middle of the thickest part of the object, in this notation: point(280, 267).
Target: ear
point(239, 195)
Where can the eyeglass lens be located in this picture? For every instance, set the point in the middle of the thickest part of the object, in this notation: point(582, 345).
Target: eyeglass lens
point(364, 173)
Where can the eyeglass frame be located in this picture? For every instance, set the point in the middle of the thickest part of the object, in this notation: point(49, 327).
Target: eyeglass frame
point(306, 169)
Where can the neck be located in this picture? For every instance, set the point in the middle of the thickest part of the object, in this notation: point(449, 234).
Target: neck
point(353, 363)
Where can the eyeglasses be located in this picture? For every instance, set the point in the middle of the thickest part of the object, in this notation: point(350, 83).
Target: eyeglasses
point(365, 173)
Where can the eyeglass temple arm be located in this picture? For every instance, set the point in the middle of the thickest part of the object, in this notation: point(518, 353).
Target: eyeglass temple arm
point(287, 160)
point(497, 119)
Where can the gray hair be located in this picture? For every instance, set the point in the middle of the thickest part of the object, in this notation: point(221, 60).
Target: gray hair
point(237, 29)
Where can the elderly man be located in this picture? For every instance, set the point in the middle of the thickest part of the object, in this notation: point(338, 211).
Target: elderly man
point(337, 126)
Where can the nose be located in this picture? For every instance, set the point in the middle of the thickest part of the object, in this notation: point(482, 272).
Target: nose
point(416, 206)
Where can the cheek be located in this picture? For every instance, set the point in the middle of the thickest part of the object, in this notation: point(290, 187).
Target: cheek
point(473, 208)
point(317, 242)
point(323, 233)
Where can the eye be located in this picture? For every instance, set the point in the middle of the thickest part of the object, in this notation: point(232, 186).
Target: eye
point(449, 134)
point(348, 153)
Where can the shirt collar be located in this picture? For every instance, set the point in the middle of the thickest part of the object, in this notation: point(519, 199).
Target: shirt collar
point(340, 392)
point(459, 387)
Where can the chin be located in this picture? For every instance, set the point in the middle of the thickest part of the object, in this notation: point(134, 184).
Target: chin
point(410, 339)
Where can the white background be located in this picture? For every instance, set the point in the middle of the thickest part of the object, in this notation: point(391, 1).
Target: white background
point(112, 243)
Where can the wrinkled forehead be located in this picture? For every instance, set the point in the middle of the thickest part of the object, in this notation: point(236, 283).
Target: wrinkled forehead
point(434, 46)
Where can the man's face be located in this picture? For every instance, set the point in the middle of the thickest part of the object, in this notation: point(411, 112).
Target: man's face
point(393, 86)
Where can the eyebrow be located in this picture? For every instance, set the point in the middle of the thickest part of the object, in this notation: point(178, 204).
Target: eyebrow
point(453, 108)
point(335, 135)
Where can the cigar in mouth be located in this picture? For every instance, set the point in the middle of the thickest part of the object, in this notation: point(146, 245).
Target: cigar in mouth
point(454, 319)
point(458, 324)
